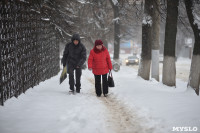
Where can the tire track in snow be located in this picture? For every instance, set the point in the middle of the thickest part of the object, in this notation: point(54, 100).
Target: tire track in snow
point(121, 119)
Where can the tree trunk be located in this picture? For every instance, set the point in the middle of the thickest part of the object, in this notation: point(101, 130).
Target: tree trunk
point(194, 79)
point(169, 67)
point(145, 63)
point(116, 29)
point(155, 38)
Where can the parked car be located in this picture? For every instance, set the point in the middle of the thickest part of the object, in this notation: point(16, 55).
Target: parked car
point(132, 60)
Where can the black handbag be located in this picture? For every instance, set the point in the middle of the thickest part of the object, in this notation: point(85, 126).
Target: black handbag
point(110, 80)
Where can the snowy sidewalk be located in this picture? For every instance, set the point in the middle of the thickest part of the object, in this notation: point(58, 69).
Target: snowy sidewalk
point(49, 108)
point(134, 105)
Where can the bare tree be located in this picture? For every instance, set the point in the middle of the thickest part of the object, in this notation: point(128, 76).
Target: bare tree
point(60, 15)
point(94, 21)
point(194, 79)
point(155, 38)
point(116, 20)
point(145, 63)
point(169, 68)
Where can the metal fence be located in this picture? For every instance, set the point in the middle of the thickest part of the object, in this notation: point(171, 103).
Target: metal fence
point(29, 50)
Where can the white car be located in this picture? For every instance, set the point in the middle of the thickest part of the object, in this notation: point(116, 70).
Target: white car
point(132, 60)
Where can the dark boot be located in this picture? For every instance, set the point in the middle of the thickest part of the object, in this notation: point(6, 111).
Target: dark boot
point(98, 95)
point(72, 91)
point(78, 90)
point(105, 95)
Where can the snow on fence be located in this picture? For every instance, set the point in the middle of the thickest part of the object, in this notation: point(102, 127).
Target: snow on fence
point(29, 50)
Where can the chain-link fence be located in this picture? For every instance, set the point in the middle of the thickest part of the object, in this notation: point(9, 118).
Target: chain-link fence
point(29, 50)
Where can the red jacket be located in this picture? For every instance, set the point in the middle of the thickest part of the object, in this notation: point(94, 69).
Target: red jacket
point(99, 61)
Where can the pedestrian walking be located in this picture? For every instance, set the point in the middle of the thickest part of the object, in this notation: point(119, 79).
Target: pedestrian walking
point(100, 64)
point(74, 57)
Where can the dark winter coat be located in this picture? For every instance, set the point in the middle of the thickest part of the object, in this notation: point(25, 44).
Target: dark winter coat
point(74, 55)
point(99, 61)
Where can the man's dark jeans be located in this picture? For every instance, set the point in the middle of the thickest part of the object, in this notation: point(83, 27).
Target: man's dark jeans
point(78, 73)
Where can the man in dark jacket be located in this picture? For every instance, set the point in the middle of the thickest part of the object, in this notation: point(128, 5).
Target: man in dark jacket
point(74, 57)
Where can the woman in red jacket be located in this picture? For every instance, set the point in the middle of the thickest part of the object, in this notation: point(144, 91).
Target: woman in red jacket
point(100, 64)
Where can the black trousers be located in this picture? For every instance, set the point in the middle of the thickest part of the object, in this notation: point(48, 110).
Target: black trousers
point(98, 84)
point(78, 73)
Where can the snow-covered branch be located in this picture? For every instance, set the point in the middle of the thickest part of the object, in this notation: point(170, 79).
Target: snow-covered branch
point(147, 20)
point(116, 20)
point(115, 2)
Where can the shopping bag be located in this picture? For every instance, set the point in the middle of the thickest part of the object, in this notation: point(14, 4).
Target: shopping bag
point(63, 75)
point(110, 80)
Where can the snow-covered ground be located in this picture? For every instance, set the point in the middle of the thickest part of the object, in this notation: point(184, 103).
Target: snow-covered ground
point(183, 68)
point(172, 107)
point(49, 108)
point(134, 105)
